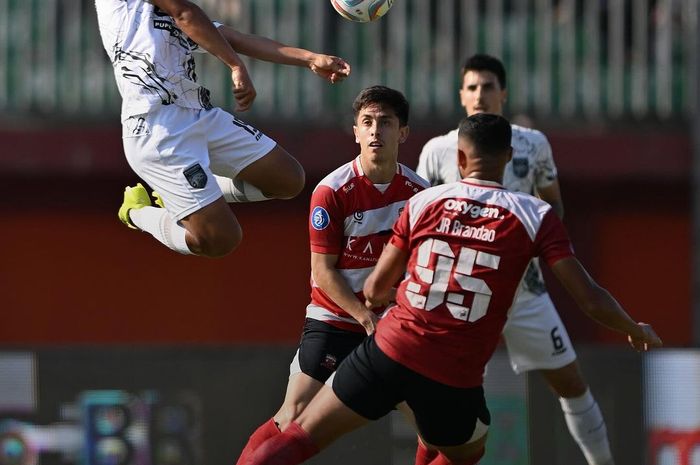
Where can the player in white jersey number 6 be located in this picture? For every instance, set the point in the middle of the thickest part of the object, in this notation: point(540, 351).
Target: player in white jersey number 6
point(534, 334)
point(461, 250)
point(196, 157)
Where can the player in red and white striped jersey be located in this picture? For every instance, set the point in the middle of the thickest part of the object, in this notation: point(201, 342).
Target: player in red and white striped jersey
point(467, 246)
point(352, 213)
point(351, 221)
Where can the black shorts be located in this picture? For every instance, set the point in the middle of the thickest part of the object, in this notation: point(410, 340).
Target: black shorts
point(371, 384)
point(323, 347)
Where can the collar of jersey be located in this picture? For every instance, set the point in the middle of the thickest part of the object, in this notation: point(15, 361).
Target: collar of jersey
point(482, 183)
point(360, 171)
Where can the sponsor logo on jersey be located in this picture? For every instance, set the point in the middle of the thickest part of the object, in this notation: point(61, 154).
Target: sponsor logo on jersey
point(358, 217)
point(196, 176)
point(521, 166)
point(348, 188)
point(320, 218)
point(473, 210)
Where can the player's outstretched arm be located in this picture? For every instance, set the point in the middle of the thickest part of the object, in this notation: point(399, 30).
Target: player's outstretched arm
point(327, 277)
point(198, 27)
point(379, 284)
point(328, 67)
point(598, 304)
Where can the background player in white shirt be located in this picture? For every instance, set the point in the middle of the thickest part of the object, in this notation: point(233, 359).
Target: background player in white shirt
point(196, 157)
point(462, 249)
point(534, 334)
point(351, 215)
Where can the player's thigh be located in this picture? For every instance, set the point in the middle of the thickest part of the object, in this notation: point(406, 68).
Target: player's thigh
point(536, 337)
point(168, 150)
point(447, 416)
point(238, 150)
point(369, 382)
point(322, 348)
point(327, 418)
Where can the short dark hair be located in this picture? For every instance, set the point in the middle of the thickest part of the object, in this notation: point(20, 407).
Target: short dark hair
point(490, 134)
point(483, 62)
point(382, 95)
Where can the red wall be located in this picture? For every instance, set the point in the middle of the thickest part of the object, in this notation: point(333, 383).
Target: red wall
point(71, 273)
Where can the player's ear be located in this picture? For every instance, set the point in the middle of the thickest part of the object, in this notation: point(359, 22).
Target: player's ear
point(403, 134)
point(354, 130)
point(461, 163)
point(510, 153)
point(461, 159)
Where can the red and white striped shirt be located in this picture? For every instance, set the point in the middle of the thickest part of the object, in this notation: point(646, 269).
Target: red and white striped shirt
point(470, 243)
point(352, 218)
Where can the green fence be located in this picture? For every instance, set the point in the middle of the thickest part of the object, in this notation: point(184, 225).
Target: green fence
point(567, 59)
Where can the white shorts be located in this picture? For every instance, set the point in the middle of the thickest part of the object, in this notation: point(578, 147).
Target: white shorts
point(178, 150)
point(535, 336)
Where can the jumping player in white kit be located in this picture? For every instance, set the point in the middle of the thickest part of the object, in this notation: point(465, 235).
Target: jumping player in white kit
point(534, 334)
point(196, 157)
point(462, 250)
point(351, 214)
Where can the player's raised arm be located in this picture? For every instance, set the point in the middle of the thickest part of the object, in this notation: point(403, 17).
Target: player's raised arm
point(198, 27)
point(378, 288)
point(598, 304)
point(329, 67)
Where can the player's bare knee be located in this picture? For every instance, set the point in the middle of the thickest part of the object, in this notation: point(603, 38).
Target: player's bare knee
point(567, 381)
point(216, 245)
point(287, 414)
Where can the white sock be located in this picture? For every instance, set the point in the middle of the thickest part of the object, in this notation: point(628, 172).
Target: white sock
point(587, 426)
point(161, 225)
point(237, 191)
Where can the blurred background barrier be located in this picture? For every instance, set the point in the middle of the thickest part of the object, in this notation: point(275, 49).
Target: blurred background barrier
point(186, 406)
point(569, 59)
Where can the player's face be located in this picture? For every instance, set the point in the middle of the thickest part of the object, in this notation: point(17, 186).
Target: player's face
point(379, 133)
point(482, 93)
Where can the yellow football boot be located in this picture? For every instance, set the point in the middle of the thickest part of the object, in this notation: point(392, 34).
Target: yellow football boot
point(134, 198)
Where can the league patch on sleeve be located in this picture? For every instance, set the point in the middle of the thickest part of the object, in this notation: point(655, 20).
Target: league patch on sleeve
point(320, 218)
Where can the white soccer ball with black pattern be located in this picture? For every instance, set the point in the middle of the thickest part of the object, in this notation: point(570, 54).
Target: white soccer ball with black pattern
point(362, 11)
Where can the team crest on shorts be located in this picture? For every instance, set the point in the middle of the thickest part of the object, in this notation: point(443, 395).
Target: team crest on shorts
point(320, 218)
point(520, 167)
point(329, 362)
point(196, 176)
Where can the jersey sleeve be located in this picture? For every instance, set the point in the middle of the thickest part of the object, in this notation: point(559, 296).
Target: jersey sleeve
point(552, 242)
point(545, 169)
point(428, 167)
point(326, 222)
point(401, 230)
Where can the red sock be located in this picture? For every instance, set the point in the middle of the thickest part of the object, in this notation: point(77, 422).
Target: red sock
point(262, 434)
point(442, 460)
point(425, 456)
point(292, 447)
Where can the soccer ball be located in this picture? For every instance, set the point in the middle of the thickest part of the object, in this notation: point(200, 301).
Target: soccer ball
point(362, 10)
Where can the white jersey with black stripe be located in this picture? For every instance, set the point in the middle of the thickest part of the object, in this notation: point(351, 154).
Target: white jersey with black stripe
point(152, 58)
